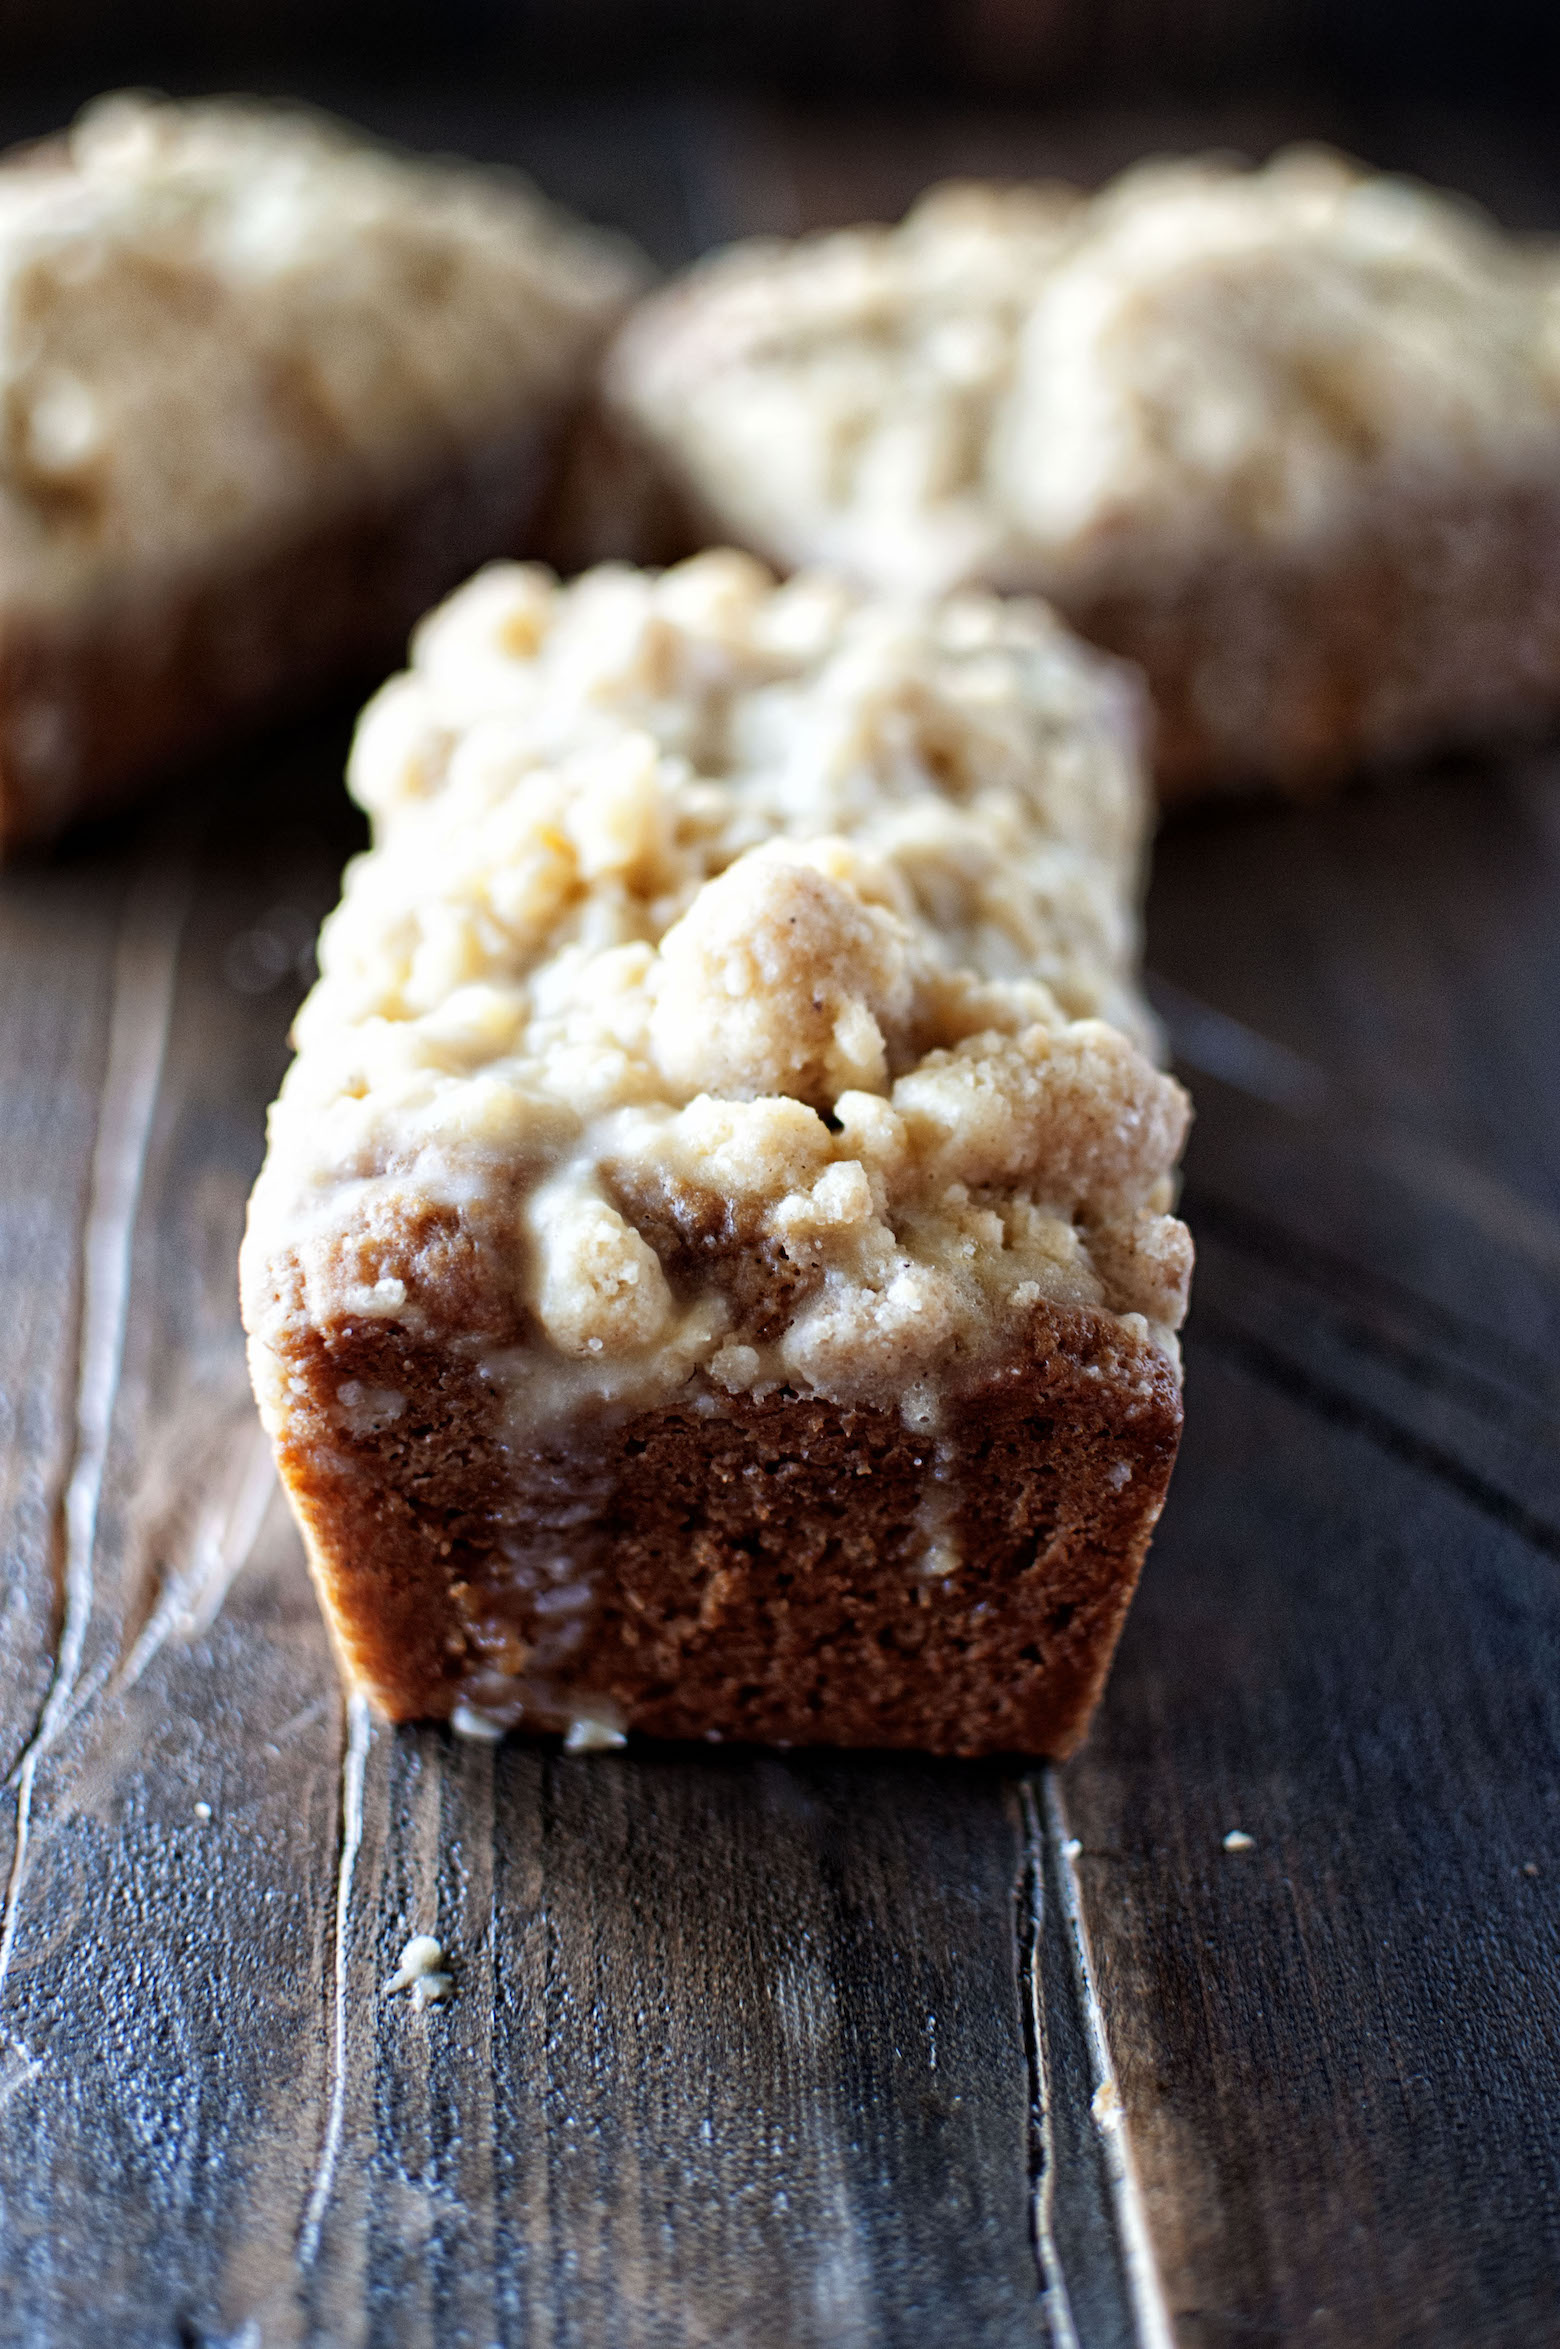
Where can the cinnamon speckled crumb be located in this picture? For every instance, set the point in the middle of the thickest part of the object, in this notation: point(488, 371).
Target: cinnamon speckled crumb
point(705, 910)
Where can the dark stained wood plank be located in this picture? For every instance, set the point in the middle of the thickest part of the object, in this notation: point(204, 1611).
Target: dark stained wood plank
point(1338, 2049)
point(722, 1971)
point(1400, 946)
point(711, 2075)
point(53, 1034)
point(169, 1907)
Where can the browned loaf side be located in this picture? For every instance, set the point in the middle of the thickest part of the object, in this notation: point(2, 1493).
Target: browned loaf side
point(148, 673)
point(271, 390)
point(755, 1569)
point(1436, 628)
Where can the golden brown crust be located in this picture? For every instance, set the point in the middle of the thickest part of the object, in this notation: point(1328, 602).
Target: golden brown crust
point(779, 1569)
point(96, 700)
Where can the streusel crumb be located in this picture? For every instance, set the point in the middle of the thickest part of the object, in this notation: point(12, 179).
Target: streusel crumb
point(1030, 388)
point(744, 973)
point(214, 313)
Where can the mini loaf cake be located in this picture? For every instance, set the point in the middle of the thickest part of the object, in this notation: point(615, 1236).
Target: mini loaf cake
point(713, 1272)
point(1289, 438)
point(268, 392)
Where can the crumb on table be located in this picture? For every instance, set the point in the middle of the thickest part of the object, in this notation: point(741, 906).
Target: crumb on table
point(422, 1971)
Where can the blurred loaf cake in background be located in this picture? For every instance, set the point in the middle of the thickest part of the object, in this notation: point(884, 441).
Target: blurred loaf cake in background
point(269, 390)
point(1289, 438)
point(714, 1272)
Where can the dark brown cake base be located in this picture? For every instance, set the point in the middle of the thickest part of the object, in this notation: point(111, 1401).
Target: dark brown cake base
point(1437, 628)
point(728, 1568)
point(101, 699)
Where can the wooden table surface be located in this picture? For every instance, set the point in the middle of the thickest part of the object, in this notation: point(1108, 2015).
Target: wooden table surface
point(796, 2052)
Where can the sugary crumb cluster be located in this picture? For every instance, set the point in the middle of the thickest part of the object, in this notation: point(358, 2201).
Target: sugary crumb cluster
point(1030, 389)
point(210, 313)
point(749, 969)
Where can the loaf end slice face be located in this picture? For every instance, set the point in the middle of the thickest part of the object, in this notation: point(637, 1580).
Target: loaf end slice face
point(713, 1272)
point(777, 1568)
point(271, 390)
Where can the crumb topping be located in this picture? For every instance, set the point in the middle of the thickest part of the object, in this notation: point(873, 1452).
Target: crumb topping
point(211, 313)
point(1056, 392)
point(423, 1971)
point(849, 381)
point(749, 970)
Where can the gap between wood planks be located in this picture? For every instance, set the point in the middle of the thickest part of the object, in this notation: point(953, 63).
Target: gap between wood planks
point(1053, 1953)
point(360, 1731)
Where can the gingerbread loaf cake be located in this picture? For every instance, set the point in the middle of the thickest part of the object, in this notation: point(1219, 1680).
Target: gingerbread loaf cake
point(269, 391)
point(713, 1271)
point(1289, 438)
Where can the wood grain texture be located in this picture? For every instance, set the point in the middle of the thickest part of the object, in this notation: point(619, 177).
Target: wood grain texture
point(52, 1047)
point(1339, 2049)
point(152, 1953)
